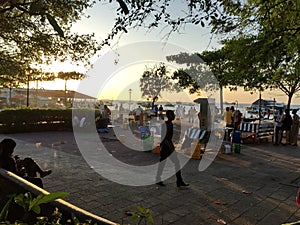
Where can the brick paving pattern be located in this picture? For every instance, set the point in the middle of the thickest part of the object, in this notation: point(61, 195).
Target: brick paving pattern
point(256, 187)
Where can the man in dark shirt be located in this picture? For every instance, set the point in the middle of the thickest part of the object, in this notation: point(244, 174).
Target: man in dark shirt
point(167, 148)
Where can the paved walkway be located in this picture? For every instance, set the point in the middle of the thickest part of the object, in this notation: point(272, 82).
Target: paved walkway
point(257, 186)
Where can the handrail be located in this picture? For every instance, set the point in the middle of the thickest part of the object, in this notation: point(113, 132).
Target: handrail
point(11, 183)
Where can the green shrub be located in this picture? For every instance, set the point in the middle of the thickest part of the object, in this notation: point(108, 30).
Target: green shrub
point(35, 120)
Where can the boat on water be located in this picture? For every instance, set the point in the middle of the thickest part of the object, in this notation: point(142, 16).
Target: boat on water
point(262, 108)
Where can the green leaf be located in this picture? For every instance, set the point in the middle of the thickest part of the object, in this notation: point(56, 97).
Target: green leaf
point(20, 200)
point(4, 211)
point(55, 25)
point(36, 209)
point(134, 217)
point(123, 6)
point(140, 209)
point(42, 199)
point(150, 219)
point(36, 7)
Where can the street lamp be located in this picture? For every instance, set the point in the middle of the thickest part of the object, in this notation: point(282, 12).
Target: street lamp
point(130, 91)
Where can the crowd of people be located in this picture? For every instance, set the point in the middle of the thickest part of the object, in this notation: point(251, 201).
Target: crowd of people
point(232, 117)
point(287, 124)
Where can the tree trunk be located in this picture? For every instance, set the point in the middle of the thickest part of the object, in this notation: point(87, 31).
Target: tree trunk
point(290, 96)
point(221, 99)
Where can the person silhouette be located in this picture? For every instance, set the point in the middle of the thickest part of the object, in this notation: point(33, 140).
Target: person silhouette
point(26, 168)
point(168, 151)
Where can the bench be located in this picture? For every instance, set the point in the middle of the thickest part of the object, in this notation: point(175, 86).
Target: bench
point(256, 131)
point(195, 139)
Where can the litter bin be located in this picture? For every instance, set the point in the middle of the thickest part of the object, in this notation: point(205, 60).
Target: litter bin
point(148, 143)
point(237, 148)
point(147, 139)
point(236, 137)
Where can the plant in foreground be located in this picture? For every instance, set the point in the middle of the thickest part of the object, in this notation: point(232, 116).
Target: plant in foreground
point(143, 214)
point(29, 204)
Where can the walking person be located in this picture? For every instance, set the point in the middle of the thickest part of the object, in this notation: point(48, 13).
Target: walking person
point(286, 126)
point(295, 128)
point(168, 151)
point(278, 127)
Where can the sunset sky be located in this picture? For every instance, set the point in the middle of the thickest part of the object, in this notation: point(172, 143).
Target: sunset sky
point(116, 85)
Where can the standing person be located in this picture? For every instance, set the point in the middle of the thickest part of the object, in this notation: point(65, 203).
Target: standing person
point(236, 119)
point(232, 110)
point(228, 123)
point(154, 110)
point(105, 116)
point(228, 117)
point(268, 114)
point(100, 108)
point(106, 113)
point(168, 150)
point(121, 109)
point(26, 168)
point(278, 127)
point(138, 112)
point(178, 112)
point(183, 112)
point(191, 114)
point(295, 128)
point(160, 112)
point(286, 121)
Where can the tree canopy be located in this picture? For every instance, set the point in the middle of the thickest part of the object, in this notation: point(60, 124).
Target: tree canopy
point(38, 32)
point(265, 47)
point(262, 38)
point(260, 46)
point(155, 80)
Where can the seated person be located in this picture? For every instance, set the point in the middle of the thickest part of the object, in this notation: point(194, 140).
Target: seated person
point(26, 168)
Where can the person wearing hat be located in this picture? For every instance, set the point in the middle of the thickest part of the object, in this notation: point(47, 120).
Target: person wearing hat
point(295, 128)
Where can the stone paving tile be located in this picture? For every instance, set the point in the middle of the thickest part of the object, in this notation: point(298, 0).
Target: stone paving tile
point(256, 187)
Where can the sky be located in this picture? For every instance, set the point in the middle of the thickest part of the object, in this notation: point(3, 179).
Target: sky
point(109, 81)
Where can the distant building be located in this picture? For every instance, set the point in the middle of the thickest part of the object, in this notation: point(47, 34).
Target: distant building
point(17, 97)
point(267, 104)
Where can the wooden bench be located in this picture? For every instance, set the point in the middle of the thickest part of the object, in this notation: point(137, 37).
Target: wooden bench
point(256, 132)
point(195, 140)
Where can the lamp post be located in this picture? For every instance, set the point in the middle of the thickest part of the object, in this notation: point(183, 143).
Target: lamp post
point(130, 91)
point(27, 90)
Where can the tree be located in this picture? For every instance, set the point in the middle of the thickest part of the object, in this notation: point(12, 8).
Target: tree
point(152, 14)
point(73, 75)
point(38, 32)
point(266, 47)
point(218, 62)
point(155, 80)
point(195, 74)
point(10, 82)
